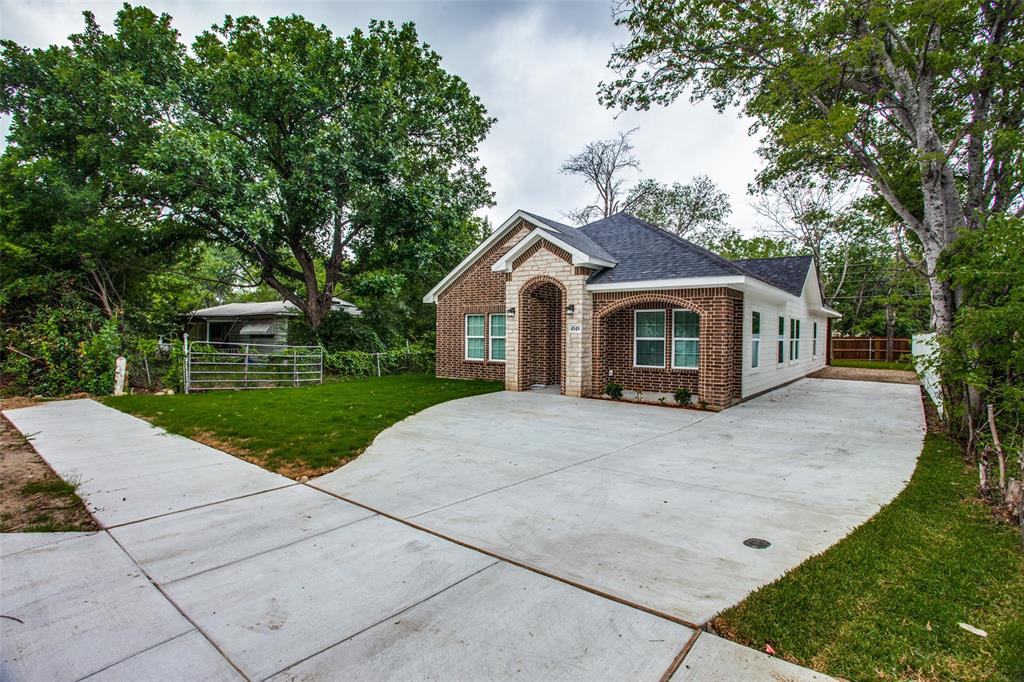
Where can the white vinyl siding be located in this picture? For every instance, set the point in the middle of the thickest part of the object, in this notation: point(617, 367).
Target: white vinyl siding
point(768, 374)
point(649, 338)
point(685, 339)
point(497, 331)
point(474, 337)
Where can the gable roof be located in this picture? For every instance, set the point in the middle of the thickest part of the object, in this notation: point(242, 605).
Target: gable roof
point(628, 253)
point(787, 273)
point(575, 237)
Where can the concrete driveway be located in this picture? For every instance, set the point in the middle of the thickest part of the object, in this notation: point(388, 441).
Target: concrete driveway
point(645, 504)
point(504, 536)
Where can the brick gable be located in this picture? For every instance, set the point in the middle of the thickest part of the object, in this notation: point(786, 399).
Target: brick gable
point(478, 290)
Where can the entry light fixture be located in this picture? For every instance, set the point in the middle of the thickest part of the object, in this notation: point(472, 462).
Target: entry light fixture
point(570, 309)
point(511, 312)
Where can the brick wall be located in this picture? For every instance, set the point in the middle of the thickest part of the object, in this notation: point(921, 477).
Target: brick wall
point(478, 290)
point(717, 381)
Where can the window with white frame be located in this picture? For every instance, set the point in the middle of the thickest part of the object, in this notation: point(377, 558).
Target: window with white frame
point(814, 339)
point(497, 331)
point(794, 339)
point(781, 350)
point(685, 339)
point(755, 338)
point(474, 337)
point(649, 338)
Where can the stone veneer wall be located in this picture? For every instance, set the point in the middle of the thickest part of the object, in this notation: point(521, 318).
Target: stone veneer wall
point(551, 265)
point(717, 381)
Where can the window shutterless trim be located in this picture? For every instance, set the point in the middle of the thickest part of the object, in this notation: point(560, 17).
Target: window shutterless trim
point(649, 338)
point(780, 345)
point(684, 338)
point(491, 336)
point(755, 340)
point(466, 337)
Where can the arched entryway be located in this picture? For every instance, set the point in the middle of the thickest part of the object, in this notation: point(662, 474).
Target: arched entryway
point(541, 335)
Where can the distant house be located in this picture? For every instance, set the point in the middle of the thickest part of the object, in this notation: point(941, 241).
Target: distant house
point(266, 322)
point(540, 303)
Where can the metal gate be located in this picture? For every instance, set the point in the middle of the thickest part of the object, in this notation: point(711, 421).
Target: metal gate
point(216, 366)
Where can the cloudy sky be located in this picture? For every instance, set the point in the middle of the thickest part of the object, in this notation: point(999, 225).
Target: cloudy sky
point(535, 65)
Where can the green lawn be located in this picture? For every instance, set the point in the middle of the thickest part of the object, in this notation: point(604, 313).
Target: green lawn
point(874, 364)
point(299, 431)
point(885, 602)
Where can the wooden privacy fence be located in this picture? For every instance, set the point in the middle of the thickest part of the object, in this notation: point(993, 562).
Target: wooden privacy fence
point(869, 348)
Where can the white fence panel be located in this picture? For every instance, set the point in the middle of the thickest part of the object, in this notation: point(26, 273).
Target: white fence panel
point(922, 347)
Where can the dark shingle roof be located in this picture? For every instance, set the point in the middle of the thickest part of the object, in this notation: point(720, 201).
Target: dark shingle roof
point(647, 252)
point(575, 238)
point(643, 252)
point(788, 273)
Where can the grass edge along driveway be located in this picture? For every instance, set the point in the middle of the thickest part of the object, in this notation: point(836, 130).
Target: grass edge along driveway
point(885, 603)
point(297, 432)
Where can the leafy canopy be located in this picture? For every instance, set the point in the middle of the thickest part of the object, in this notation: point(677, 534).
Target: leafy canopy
point(306, 151)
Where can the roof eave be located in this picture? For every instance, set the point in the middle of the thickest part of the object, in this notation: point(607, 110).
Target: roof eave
point(580, 258)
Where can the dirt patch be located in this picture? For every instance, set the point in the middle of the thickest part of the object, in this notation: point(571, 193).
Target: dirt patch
point(32, 497)
point(886, 376)
point(294, 470)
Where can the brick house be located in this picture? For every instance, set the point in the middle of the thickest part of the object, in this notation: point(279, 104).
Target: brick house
point(540, 303)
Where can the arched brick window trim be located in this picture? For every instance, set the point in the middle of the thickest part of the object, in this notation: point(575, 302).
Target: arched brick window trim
point(530, 284)
point(663, 299)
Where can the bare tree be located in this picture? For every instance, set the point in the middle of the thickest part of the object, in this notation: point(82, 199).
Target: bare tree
point(602, 164)
point(818, 218)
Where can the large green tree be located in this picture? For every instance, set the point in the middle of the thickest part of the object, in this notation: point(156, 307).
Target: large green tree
point(303, 150)
point(73, 210)
point(922, 98)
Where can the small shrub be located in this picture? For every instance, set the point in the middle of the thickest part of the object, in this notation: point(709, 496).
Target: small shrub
point(613, 390)
point(683, 396)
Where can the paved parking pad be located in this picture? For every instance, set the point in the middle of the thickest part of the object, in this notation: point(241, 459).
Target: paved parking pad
point(505, 623)
point(656, 507)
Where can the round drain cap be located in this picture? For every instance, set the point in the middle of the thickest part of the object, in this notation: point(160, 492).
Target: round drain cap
point(757, 543)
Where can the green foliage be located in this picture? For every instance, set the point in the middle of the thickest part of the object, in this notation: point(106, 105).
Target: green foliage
point(683, 396)
point(339, 331)
point(306, 151)
point(613, 390)
point(66, 348)
point(985, 350)
point(73, 211)
point(414, 359)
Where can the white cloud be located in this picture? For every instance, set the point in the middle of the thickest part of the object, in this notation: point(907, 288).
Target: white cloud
point(535, 65)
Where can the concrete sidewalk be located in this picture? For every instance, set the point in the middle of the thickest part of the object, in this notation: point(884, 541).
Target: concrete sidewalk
point(244, 574)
